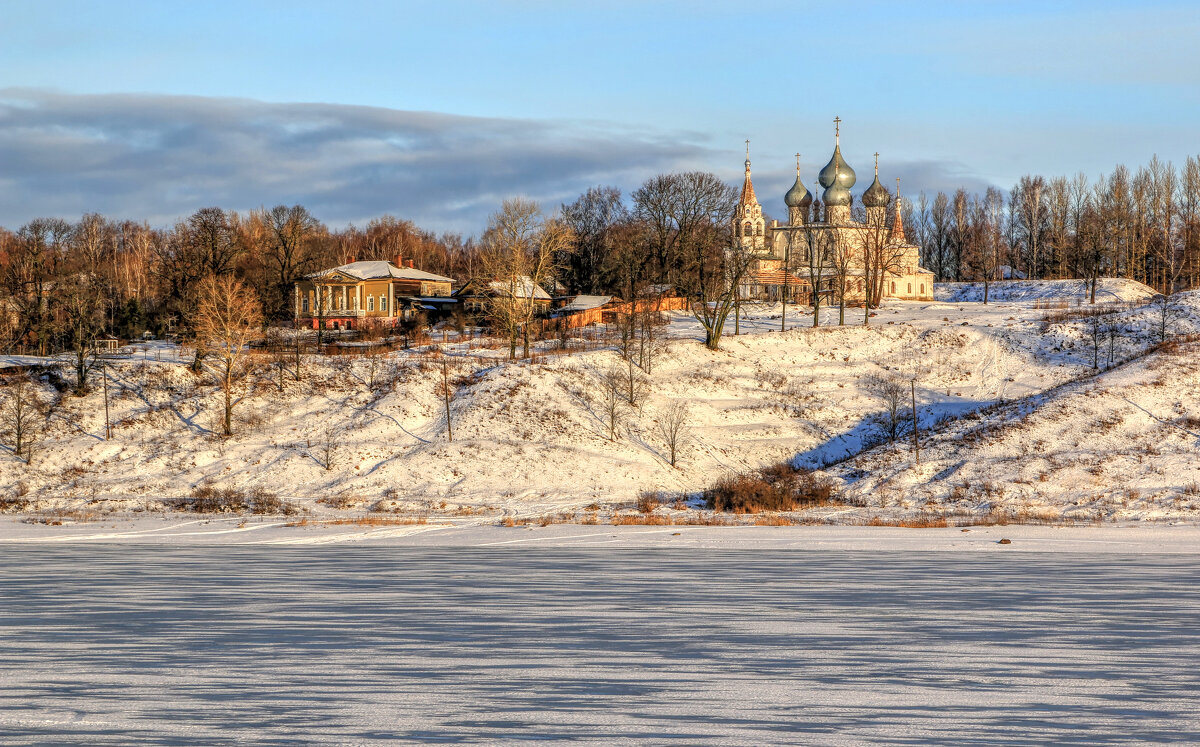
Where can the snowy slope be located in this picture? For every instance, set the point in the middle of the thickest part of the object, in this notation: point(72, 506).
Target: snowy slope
point(1125, 445)
point(530, 438)
point(1074, 291)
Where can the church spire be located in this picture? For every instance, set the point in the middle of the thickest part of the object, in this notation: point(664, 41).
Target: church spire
point(748, 197)
point(749, 226)
point(897, 234)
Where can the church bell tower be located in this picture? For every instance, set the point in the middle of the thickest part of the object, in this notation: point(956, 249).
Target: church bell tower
point(749, 227)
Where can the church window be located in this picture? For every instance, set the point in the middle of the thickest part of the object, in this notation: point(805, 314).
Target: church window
point(893, 286)
point(910, 288)
point(758, 230)
point(922, 289)
point(747, 230)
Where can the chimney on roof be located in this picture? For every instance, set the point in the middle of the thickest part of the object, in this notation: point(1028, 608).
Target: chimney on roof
point(351, 259)
point(399, 262)
point(410, 264)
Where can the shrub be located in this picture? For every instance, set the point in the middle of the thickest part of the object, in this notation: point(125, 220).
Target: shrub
point(265, 502)
point(206, 498)
point(779, 487)
point(648, 500)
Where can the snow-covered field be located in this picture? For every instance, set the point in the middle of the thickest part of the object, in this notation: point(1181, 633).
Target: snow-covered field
point(362, 645)
point(530, 439)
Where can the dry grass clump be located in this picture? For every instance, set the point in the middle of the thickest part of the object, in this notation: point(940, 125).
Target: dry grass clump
point(917, 522)
point(14, 503)
point(779, 487)
point(58, 517)
point(641, 519)
point(376, 521)
point(648, 500)
point(342, 501)
point(774, 520)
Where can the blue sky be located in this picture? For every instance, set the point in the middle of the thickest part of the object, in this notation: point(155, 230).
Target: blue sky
point(437, 110)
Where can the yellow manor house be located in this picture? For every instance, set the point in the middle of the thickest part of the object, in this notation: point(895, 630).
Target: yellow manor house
point(343, 297)
point(823, 242)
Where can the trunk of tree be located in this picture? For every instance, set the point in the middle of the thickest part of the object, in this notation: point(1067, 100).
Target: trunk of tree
point(229, 399)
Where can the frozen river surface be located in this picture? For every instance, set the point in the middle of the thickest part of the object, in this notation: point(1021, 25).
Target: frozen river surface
point(352, 645)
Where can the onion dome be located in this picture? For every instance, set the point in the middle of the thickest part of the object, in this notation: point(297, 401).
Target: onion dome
point(837, 171)
point(876, 196)
point(798, 195)
point(837, 196)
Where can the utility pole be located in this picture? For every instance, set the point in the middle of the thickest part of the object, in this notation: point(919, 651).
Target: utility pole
point(107, 422)
point(446, 394)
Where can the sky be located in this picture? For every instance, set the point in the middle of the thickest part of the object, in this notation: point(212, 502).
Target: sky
point(437, 111)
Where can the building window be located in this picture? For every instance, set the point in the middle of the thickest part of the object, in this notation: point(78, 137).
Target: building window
point(304, 305)
point(910, 289)
point(370, 303)
point(922, 289)
point(893, 286)
point(382, 302)
point(747, 229)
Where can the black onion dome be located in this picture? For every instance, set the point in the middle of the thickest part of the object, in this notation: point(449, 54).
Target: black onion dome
point(876, 196)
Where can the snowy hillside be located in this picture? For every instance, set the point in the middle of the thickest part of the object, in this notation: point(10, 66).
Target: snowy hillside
point(533, 438)
point(1074, 292)
point(1125, 445)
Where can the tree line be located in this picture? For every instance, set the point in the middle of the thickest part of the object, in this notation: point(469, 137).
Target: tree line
point(63, 282)
point(1142, 225)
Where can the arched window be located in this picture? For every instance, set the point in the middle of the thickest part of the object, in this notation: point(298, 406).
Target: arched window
point(893, 286)
point(758, 230)
point(747, 229)
point(922, 289)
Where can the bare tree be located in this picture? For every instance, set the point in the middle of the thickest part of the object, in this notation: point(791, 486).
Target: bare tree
point(612, 400)
point(290, 233)
point(841, 260)
point(227, 318)
point(890, 393)
point(592, 218)
point(1167, 311)
point(82, 322)
point(22, 416)
point(672, 428)
point(35, 259)
point(522, 249)
point(329, 445)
